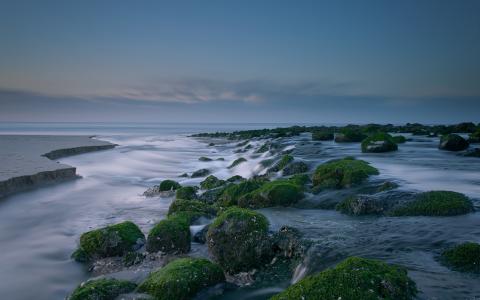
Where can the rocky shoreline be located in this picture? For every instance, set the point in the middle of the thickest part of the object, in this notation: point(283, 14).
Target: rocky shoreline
point(27, 160)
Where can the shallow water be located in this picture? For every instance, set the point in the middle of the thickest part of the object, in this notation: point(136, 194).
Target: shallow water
point(39, 229)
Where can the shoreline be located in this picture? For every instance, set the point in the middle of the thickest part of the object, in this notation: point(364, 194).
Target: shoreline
point(28, 161)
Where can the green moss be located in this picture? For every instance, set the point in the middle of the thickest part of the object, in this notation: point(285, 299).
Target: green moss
point(181, 279)
point(436, 203)
point(237, 162)
point(275, 193)
point(350, 135)
point(186, 193)
point(237, 239)
point(113, 240)
point(464, 257)
point(380, 142)
point(102, 289)
point(300, 179)
point(322, 135)
point(233, 192)
point(171, 235)
point(80, 255)
point(169, 185)
point(282, 163)
point(399, 139)
point(354, 278)
point(235, 178)
point(203, 158)
point(341, 173)
point(211, 182)
point(194, 207)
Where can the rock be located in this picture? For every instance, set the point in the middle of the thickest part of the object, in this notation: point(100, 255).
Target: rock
point(211, 144)
point(237, 162)
point(171, 235)
point(282, 163)
point(274, 193)
point(211, 196)
point(296, 167)
point(453, 142)
point(102, 289)
point(347, 135)
point(201, 236)
point(288, 243)
point(474, 137)
point(235, 178)
point(464, 257)
point(182, 279)
point(399, 139)
point(164, 188)
point(183, 175)
point(211, 182)
point(194, 208)
point(186, 193)
point(203, 158)
point(342, 173)
point(354, 278)
point(322, 136)
point(264, 148)
point(233, 192)
point(133, 258)
point(266, 163)
point(436, 203)
point(238, 240)
point(363, 205)
point(380, 142)
point(114, 240)
point(200, 173)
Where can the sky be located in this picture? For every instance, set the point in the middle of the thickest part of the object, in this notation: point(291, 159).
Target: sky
point(240, 61)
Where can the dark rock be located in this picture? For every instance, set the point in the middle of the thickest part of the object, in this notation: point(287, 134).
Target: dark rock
point(296, 167)
point(200, 173)
point(453, 142)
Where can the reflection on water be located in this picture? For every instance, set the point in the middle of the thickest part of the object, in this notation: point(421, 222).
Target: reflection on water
point(39, 229)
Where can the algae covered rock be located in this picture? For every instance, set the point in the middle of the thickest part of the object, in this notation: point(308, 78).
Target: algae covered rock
point(363, 205)
point(169, 185)
point(322, 135)
point(453, 142)
point(194, 208)
point(237, 162)
point(233, 192)
point(377, 143)
point(348, 135)
point(399, 139)
point(282, 163)
point(352, 279)
point(200, 173)
point(182, 278)
point(464, 257)
point(274, 193)
point(238, 240)
point(296, 167)
point(436, 203)
point(203, 158)
point(211, 182)
point(235, 178)
point(171, 235)
point(102, 289)
point(341, 173)
point(186, 193)
point(114, 240)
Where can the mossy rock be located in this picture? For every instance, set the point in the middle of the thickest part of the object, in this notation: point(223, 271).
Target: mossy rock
point(114, 240)
point(169, 185)
point(233, 192)
point(194, 207)
point(203, 158)
point(102, 289)
point(267, 162)
point(399, 139)
point(378, 143)
point(347, 135)
point(297, 167)
point(211, 182)
point(200, 173)
point(237, 162)
point(453, 142)
point(436, 203)
point(235, 178)
point(342, 173)
point(238, 240)
point(186, 193)
point(353, 279)
point(171, 235)
point(182, 279)
point(464, 257)
point(300, 179)
point(274, 193)
point(133, 258)
point(359, 205)
point(264, 148)
point(322, 135)
point(282, 163)
point(474, 137)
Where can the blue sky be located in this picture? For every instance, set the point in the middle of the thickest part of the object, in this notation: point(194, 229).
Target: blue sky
point(240, 61)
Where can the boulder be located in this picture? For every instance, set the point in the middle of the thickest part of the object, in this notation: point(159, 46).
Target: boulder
point(237, 162)
point(274, 193)
point(347, 135)
point(171, 235)
point(211, 182)
point(378, 143)
point(296, 167)
point(200, 173)
point(436, 203)
point(102, 289)
point(322, 136)
point(186, 193)
point(194, 208)
point(464, 257)
point(453, 142)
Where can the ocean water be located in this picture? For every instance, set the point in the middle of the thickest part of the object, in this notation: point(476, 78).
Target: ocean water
point(39, 229)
